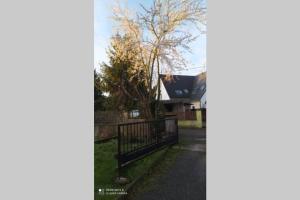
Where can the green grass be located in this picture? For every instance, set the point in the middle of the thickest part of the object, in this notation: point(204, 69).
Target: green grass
point(105, 164)
point(105, 168)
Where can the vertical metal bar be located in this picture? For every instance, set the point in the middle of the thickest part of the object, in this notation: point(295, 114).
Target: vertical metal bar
point(119, 151)
point(121, 134)
point(144, 135)
point(128, 138)
point(124, 138)
point(123, 141)
point(176, 124)
point(151, 132)
point(143, 129)
point(133, 133)
point(157, 131)
point(127, 135)
point(130, 135)
point(139, 135)
point(134, 136)
point(147, 132)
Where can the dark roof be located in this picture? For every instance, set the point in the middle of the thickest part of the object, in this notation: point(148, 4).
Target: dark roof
point(181, 86)
point(199, 86)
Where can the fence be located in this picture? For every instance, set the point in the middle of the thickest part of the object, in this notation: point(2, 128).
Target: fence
point(103, 131)
point(108, 116)
point(106, 124)
point(135, 140)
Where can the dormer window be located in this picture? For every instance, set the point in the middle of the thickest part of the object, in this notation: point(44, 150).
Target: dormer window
point(178, 92)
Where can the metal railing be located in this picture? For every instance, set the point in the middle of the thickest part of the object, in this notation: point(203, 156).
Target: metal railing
point(138, 139)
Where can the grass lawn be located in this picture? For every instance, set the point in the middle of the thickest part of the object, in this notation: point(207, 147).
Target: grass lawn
point(105, 168)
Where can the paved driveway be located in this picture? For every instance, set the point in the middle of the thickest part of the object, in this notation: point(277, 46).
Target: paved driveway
point(186, 178)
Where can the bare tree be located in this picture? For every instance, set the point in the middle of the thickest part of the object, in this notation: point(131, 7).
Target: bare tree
point(161, 34)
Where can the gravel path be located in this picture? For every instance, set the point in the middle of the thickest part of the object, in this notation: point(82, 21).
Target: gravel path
point(186, 179)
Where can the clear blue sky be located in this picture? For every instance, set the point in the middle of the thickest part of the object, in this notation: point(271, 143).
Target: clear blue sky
point(103, 31)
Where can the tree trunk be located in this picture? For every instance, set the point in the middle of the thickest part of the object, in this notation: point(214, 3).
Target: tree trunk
point(158, 92)
point(146, 108)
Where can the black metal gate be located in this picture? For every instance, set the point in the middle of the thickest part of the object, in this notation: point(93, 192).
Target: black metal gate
point(135, 140)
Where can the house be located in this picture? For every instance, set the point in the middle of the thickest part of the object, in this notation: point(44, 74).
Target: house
point(183, 93)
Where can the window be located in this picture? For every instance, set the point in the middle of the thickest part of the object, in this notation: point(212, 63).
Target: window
point(178, 92)
point(134, 114)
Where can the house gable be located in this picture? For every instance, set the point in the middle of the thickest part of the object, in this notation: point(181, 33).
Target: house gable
point(164, 93)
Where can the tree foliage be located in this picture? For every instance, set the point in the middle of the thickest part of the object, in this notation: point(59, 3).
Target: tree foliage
point(163, 31)
point(99, 98)
point(122, 80)
point(153, 39)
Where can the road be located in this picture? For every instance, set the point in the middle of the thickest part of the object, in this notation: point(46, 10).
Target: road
point(186, 177)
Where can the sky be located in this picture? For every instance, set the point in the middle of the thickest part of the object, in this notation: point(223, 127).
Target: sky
point(103, 30)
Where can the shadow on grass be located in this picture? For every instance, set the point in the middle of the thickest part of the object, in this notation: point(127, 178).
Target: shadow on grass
point(105, 168)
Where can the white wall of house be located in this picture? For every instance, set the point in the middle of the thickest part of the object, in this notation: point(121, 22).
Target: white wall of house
point(196, 104)
point(203, 101)
point(163, 92)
